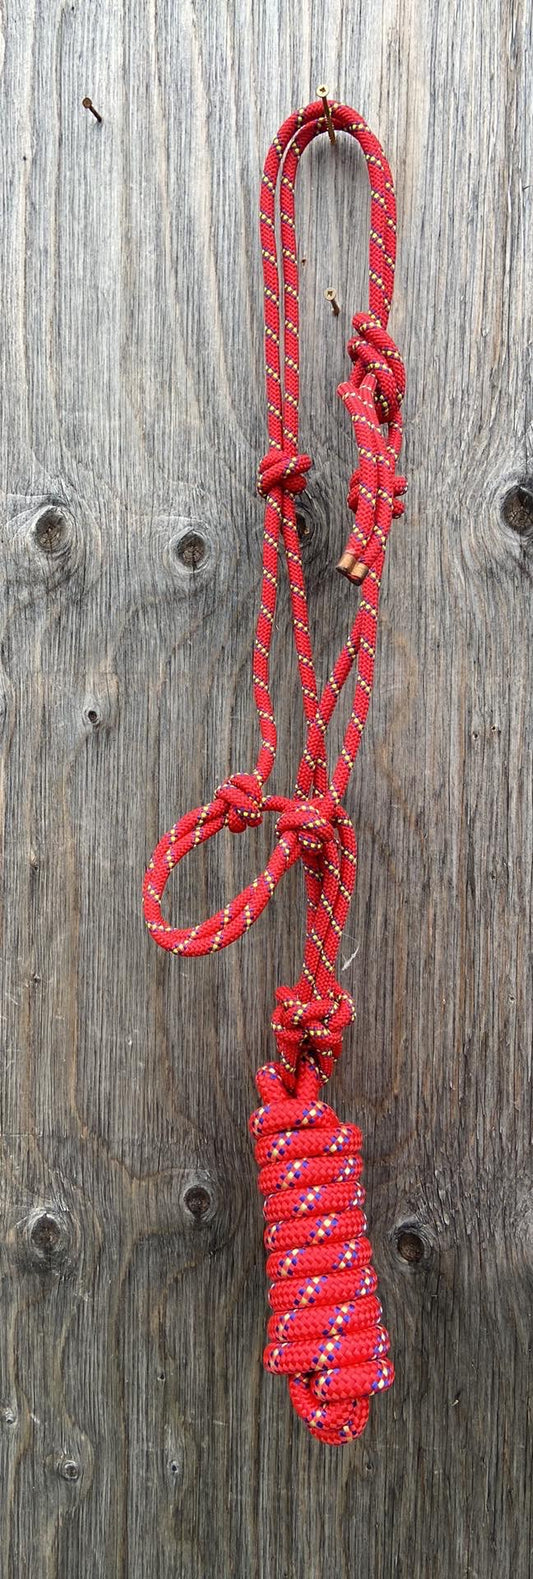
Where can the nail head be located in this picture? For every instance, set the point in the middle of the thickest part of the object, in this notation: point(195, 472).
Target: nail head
point(331, 297)
point(88, 105)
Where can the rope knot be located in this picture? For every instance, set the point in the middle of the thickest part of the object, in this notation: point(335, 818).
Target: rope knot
point(399, 485)
point(316, 1027)
point(308, 820)
point(280, 469)
point(242, 800)
point(373, 351)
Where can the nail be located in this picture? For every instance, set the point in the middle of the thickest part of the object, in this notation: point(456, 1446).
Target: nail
point(352, 568)
point(331, 297)
point(88, 105)
point(323, 95)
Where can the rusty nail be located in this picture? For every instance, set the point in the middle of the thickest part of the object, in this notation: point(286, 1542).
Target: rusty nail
point(323, 95)
point(88, 105)
point(331, 297)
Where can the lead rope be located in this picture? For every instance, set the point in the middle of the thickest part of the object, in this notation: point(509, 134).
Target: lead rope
point(325, 1332)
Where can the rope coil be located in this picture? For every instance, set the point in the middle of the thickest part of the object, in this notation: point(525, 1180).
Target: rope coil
point(326, 1333)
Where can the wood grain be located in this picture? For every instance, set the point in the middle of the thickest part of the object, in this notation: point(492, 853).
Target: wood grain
point(138, 1432)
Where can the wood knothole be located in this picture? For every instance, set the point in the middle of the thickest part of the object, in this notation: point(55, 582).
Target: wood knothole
point(92, 716)
point(68, 1468)
point(517, 509)
point(191, 550)
point(45, 1234)
point(8, 1415)
point(410, 1246)
point(198, 1202)
point(52, 531)
point(413, 1244)
point(48, 545)
point(46, 1240)
point(100, 703)
point(304, 524)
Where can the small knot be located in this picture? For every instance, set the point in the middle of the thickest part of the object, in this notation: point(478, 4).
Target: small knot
point(307, 819)
point(373, 351)
point(316, 1026)
point(399, 485)
point(280, 469)
point(241, 797)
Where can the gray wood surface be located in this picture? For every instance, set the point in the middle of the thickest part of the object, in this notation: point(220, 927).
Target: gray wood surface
point(139, 1435)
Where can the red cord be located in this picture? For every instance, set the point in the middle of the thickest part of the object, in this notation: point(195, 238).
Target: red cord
point(326, 1332)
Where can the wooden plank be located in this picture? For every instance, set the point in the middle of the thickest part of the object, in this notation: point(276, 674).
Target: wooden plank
point(138, 1432)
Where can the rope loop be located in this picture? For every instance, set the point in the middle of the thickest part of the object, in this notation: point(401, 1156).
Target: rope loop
point(281, 469)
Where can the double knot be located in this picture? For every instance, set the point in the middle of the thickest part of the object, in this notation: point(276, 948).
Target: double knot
point(309, 821)
point(280, 469)
point(373, 351)
point(316, 1026)
point(242, 799)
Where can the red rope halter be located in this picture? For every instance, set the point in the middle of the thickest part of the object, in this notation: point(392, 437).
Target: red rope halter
point(325, 1333)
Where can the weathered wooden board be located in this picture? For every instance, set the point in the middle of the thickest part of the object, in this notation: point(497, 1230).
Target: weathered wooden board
point(139, 1434)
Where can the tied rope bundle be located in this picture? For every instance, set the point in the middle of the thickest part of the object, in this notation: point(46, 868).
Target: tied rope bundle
point(325, 1333)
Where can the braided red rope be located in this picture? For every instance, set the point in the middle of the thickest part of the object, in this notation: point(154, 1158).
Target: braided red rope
point(326, 1331)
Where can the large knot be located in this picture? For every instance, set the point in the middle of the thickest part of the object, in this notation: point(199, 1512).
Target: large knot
point(373, 351)
point(242, 799)
point(308, 820)
point(326, 1333)
point(280, 469)
point(316, 1027)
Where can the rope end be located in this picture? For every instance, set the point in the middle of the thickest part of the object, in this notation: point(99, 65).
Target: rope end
point(352, 568)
